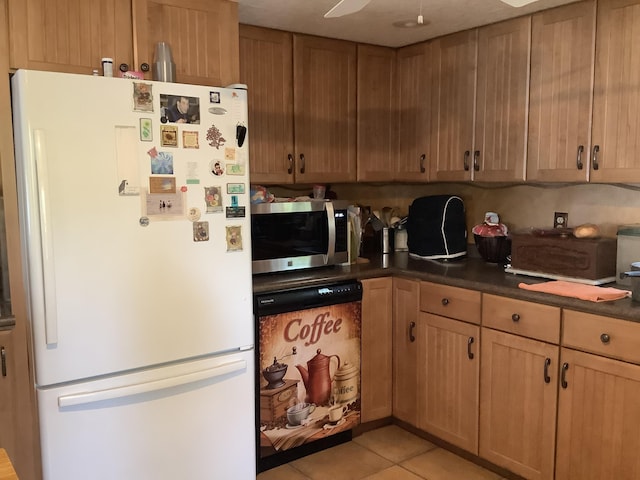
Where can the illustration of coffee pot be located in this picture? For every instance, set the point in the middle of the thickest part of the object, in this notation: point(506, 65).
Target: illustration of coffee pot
point(317, 378)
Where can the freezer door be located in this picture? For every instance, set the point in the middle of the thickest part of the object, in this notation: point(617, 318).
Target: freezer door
point(193, 420)
point(116, 280)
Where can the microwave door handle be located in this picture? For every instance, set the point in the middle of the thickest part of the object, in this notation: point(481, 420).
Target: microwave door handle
point(331, 223)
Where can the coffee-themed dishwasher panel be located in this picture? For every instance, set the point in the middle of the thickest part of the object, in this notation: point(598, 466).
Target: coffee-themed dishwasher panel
point(308, 370)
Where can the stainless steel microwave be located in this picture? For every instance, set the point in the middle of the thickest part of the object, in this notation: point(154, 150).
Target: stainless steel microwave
point(295, 235)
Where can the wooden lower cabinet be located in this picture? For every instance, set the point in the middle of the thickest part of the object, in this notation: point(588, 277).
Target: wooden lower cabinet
point(448, 380)
point(406, 303)
point(376, 363)
point(518, 398)
point(598, 418)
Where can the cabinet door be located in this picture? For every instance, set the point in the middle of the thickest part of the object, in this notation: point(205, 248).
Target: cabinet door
point(454, 58)
point(598, 418)
point(7, 379)
point(377, 97)
point(503, 94)
point(376, 361)
point(518, 396)
point(415, 135)
point(72, 37)
point(267, 70)
point(406, 303)
point(203, 35)
point(616, 123)
point(560, 103)
point(448, 378)
point(324, 79)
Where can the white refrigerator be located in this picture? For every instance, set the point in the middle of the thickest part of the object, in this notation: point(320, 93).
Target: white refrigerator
point(134, 215)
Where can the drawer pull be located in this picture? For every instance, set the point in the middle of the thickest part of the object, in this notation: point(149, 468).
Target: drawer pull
point(563, 379)
point(547, 362)
point(515, 317)
point(605, 338)
point(290, 169)
point(3, 360)
point(445, 301)
point(412, 337)
point(469, 352)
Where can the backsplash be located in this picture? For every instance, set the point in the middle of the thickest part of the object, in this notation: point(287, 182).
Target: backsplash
point(519, 206)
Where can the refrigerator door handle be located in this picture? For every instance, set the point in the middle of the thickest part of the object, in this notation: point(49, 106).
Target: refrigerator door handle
point(83, 398)
point(46, 240)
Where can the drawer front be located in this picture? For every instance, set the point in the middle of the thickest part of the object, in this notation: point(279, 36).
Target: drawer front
point(452, 302)
point(527, 319)
point(606, 336)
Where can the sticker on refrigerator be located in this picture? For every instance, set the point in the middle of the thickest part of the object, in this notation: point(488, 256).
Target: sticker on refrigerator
point(234, 238)
point(214, 137)
point(162, 185)
point(217, 110)
point(235, 212)
point(142, 97)
point(161, 162)
point(168, 136)
point(213, 199)
point(200, 231)
point(146, 130)
point(190, 139)
point(214, 97)
point(180, 108)
point(241, 134)
point(127, 161)
point(192, 173)
point(235, 169)
point(164, 206)
point(229, 154)
point(194, 214)
point(216, 167)
point(237, 188)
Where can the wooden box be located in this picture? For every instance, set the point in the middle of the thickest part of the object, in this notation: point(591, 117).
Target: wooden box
point(590, 258)
point(274, 402)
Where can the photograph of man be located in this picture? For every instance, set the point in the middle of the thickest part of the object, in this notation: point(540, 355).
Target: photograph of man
point(181, 109)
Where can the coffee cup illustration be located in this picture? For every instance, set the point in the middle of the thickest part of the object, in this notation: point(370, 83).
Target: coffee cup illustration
point(336, 412)
point(298, 413)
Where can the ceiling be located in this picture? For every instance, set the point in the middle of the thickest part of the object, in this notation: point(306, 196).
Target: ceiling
point(374, 23)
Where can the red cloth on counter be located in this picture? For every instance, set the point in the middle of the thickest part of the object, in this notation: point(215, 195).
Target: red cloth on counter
point(578, 290)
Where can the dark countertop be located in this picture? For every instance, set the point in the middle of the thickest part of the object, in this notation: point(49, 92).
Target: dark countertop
point(473, 273)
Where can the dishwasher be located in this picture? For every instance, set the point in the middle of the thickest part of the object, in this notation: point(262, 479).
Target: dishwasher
point(307, 370)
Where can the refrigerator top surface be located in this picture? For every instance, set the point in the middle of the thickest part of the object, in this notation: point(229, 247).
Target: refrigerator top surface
point(135, 225)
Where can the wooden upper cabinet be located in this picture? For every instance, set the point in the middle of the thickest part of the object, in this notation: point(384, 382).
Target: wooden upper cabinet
point(616, 123)
point(454, 58)
point(324, 79)
point(69, 36)
point(203, 35)
point(413, 96)
point(561, 93)
point(502, 102)
point(376, 144)
point(266, 67)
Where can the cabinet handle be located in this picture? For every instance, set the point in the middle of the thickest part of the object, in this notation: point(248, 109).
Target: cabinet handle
point(302, 163)
point(412, 337)
point(469, 352)
point(515, 317)
point(290, 169)
point(579, 159)
point(563, 378)
point(476, 165)
point(547, 362)
point(3, 360)
point(422, 159)
point(605, 338)
point(594, 157)
point(466, 160)
point(445, 301)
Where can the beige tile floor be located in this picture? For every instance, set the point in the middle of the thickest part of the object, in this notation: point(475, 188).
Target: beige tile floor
point(388, 453)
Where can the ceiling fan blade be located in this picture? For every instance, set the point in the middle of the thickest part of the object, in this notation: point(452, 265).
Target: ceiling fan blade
point(346, 7)
point(518, 3)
